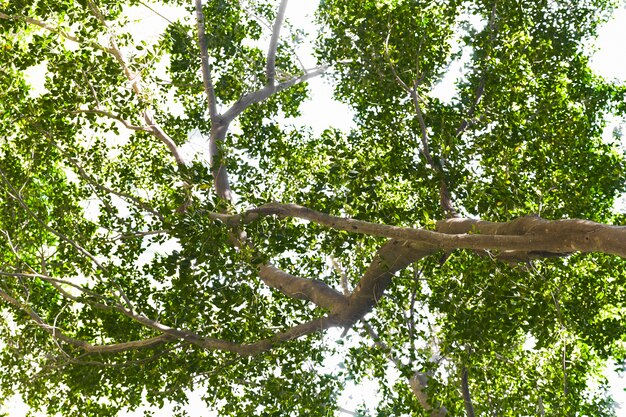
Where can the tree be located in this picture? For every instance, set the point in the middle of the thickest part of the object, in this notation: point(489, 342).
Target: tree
point(471, 247)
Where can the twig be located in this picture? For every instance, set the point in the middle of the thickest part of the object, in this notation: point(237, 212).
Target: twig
point(110, 115)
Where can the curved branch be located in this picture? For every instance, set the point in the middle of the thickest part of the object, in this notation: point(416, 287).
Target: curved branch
point(526, 234)
point(59, 335)
point(257, 96)
point(311, 290)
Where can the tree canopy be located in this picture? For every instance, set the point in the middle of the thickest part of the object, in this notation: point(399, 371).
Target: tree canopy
point(166, 225)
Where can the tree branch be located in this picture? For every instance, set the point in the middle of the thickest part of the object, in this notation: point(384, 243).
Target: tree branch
point(53, 29)
point(110, 115)
point(257, 96)
point(270, 70)
point(419, 386)
point(206, 67)
point(87, 347)
point(418, 382)
point(159, 133)
point(87, 177)
point(311, 290)
point(480, 90)
point(534, 235)
point(15, 194)
point(134, 78)
point(467, 399)
point(444, 193)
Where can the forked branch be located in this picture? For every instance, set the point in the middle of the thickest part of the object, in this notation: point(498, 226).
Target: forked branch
point(135, 81)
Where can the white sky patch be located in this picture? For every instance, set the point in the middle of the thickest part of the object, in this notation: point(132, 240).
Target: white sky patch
point(321, 111)
point(35, 77)
point(610, 58)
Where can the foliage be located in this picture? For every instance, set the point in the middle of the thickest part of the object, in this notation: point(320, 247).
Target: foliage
point(134, 270)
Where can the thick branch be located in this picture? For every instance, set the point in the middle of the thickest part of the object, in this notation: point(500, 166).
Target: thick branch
point(206, 67)
point(531, 234)
point(270, 70)
point(220, 127)
point(392, 257)
point(311, 290)
point(419, 386)
point(467, 399)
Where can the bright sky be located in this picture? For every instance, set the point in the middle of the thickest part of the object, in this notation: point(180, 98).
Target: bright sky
point(322, 111)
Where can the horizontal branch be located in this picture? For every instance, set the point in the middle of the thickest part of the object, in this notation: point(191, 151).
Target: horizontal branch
point(110, 115)
point(59, 335)
point(529, 233)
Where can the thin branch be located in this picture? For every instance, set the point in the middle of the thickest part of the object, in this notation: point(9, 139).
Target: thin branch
point(53, 29)
point(15, 195)
point(110, 115)
point(58, 334)
point(393, 67)
point(444, 193)
point(87, 177)
point(169, 333)
point(159, 133)
point(135, 235)
point(480, 90)
point(418, 382)
point(270, 70)
point(382, 345)
point(206, 67)
point(134, 78)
